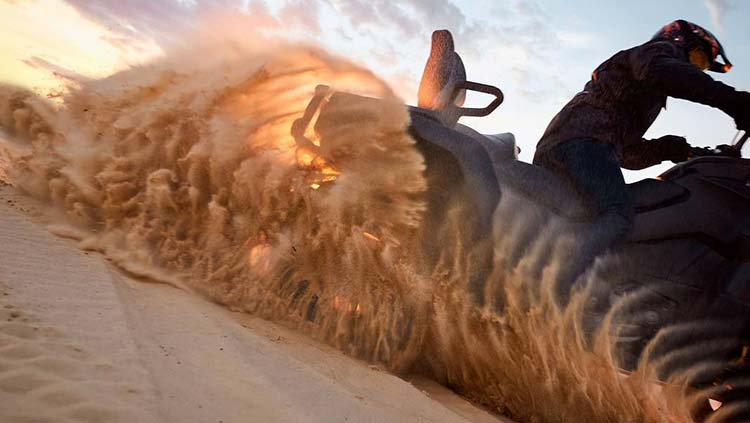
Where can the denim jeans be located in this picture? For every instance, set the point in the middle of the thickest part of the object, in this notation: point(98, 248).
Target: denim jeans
point(592, 170)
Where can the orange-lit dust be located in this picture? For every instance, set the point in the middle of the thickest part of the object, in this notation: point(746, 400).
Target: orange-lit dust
point(187, 173)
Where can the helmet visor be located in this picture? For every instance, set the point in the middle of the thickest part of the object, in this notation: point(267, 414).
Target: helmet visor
point(720, 67)
point(715, 50)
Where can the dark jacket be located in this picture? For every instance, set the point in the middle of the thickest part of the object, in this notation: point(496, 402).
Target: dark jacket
point(626, 94)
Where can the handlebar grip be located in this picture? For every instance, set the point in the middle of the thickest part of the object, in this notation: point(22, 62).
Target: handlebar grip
point(720, 151)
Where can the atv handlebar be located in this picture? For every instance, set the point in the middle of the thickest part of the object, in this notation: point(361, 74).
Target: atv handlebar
point(741, 143)
point(723, 150)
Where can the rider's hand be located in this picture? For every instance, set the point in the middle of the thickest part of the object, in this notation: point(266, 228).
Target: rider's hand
point(728, 151)
point(743, 123)
point(740, 110)
point(674, 148)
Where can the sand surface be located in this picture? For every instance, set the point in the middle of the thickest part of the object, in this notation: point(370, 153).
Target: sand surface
point(82, 342)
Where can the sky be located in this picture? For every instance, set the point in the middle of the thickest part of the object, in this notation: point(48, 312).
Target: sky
point(539, 52)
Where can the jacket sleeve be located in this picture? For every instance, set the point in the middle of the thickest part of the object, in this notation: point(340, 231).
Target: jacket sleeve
point(641, 155)
point(662, 66)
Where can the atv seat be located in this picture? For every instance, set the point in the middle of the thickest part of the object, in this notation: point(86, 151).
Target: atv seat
point(651, 194)
point(548, 189)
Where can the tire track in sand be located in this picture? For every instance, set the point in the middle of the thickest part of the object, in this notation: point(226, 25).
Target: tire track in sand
point(65, 352)
point(81, 342)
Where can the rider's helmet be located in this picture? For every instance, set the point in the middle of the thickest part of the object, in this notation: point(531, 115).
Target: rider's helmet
point(701, 46)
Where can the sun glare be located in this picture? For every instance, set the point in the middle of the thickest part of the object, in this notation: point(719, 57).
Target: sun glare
point(44, 40)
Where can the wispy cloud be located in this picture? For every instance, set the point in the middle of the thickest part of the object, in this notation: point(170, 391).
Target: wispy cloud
point(165, 22)
point(576, 39)
point(524, 40)
point(718, 9)
point(392, 37)
point(303, 14)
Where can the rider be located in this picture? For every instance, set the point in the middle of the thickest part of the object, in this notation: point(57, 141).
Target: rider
point(601, 129)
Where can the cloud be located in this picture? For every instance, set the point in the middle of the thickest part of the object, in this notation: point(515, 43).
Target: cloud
point(391, 37)
point(525, 26)
point(401, 17)
point(576, 39)
point(303, 14)
point(166, 21)
point(358, 10)
point(440, 12)
point(136, 18)
point(36, 62)
point(718, 9)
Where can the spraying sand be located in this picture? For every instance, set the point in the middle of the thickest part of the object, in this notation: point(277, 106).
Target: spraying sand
point(186, 173)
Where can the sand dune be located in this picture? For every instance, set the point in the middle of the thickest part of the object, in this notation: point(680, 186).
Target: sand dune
point(80, 341)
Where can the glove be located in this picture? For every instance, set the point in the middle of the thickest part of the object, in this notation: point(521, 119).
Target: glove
point(728, 151)
point(723, 150)
point(674, 148)
point(743, 123)
point(740, 110)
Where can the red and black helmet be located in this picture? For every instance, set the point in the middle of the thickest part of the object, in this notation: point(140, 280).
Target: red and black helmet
point(690, 36)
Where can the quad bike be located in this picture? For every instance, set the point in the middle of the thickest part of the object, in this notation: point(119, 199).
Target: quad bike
point(688, 256)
